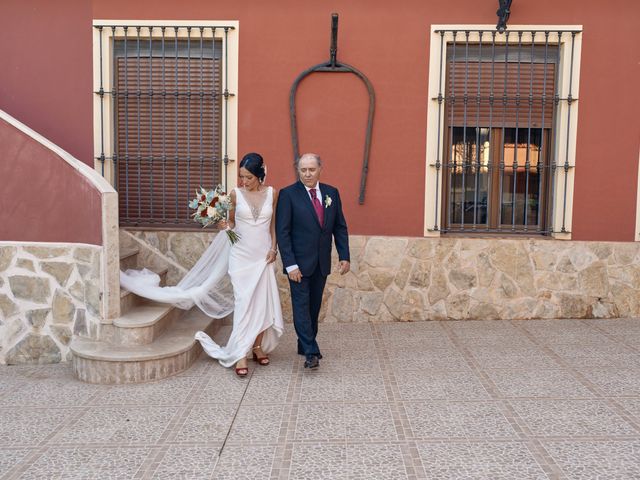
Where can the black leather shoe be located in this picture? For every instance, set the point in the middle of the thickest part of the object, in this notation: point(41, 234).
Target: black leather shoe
point(312, 362)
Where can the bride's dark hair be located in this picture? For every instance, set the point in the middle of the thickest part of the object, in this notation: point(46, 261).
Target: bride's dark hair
point(255, 164)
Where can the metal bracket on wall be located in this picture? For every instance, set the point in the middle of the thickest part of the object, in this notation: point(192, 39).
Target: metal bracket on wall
point(334, 66)
point(504, 10)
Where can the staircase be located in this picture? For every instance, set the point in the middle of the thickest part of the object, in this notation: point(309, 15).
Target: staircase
point(149, 340)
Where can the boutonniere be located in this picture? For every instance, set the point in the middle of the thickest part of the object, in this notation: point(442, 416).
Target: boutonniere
point(327, 201)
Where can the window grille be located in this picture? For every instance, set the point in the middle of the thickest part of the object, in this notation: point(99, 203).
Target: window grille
point(168, 103)
point(498, 122)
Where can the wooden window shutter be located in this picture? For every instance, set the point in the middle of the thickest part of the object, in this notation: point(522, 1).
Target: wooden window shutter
point(530, 77)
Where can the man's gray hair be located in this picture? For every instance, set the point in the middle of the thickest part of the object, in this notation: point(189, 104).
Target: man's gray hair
point(312, 155)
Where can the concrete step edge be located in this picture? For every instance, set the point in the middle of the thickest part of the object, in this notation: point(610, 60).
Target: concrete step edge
point(142, 316)
point(176, 340)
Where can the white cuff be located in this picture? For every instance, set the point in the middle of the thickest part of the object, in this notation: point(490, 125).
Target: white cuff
point(292, 268)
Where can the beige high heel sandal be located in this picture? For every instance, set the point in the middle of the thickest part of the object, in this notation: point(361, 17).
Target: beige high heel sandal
point(261, 360)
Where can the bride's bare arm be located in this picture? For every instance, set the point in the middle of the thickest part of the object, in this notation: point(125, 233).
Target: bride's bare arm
point(273, 252)
point(273, 219)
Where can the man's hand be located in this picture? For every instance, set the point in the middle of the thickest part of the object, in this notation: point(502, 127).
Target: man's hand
point(344, 267)
point(295, 275)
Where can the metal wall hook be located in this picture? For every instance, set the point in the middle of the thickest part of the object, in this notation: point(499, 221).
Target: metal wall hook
point(334, 66)
point(504, 10)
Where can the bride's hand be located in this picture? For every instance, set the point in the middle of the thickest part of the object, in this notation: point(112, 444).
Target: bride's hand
point(222, 225)
point(271, 256)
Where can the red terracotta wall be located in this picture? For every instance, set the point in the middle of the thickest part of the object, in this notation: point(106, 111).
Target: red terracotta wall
point(45, 70)
point(389, 43)
point(608, 126)
point(44, 198)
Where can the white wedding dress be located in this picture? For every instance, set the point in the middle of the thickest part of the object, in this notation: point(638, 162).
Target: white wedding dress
point(255, 301)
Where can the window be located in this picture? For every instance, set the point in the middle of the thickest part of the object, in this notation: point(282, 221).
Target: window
point(163, 100)
point(495, 182)
point(500, 119)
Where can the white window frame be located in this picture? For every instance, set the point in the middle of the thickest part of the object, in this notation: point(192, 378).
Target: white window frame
point(563, 149)
point(102, 110)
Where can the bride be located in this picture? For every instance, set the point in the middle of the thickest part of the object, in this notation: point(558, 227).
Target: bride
point(257, 315)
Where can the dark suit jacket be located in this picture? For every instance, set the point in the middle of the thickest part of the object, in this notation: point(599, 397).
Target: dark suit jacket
point(301, 238)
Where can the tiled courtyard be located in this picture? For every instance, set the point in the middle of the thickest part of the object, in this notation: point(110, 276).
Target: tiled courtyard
point(443, 400)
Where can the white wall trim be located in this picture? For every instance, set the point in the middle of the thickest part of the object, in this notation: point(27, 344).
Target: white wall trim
point(230, 43)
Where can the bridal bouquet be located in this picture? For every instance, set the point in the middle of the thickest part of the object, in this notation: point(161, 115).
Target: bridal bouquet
point(211, 207)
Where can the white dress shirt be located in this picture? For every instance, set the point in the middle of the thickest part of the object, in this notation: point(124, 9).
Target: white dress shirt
point(291, 268)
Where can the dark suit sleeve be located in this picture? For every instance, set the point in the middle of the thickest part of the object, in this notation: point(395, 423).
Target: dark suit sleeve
point(340, 232)
point(284, 215)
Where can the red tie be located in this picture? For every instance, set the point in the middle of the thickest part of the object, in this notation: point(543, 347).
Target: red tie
point(317, 206)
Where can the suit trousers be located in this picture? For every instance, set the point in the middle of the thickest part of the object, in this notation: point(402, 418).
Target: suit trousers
point(306, 300)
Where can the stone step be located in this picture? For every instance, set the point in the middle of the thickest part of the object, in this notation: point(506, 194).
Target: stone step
point(171, 353)
point(129, 300)
point(129, 257)
point(143, 323)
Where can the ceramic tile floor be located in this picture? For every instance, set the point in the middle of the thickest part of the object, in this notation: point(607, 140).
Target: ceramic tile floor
point(443, 400)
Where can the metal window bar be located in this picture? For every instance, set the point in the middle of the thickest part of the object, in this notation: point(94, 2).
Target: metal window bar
point(101, 94)
point(527, 152)
point(477, 143)
point(151, 192)
point(516, 138)
point(451, 167)
point(175, 153)
point(126, 125)
point(164, 126)
point(490, 167)
point(114, 99)
point(139, 155)
point(151, 166)
point(465, 149)
point(186, 205)
point(226, 95)
point(541, 157)
point(505, 102)
point(531, 200)
point(213, 122)
point(201, 156)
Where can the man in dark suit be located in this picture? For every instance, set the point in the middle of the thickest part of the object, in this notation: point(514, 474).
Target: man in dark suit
point(308, 215)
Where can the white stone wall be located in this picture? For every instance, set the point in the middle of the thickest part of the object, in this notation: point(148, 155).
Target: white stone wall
point(48, 292)
point(406, 279)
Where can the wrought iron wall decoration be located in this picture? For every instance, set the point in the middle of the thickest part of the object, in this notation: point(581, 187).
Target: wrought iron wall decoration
point(334, 66)
point(503, 12)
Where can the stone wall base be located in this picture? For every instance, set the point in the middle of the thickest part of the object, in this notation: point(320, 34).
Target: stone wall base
point(410, 279)
point(48, 293)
